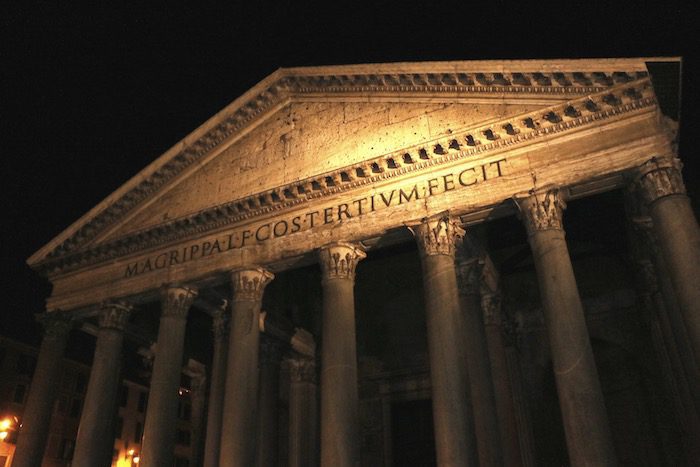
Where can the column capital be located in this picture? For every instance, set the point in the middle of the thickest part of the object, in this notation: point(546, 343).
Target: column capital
point(491, 307)
point(114, 315)
point(56, 323)
point(468, 275)
point(542, 209)
point(339, 260)
point(177, 299)
point(220, 320)
point(437, 235)
point(659, 177)
point(249, 283)
point(301, 370)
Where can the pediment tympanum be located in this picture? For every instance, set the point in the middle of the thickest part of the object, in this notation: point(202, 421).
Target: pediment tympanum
point(340, 153)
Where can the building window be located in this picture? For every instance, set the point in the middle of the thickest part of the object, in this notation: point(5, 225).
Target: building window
point(20, 392)
point(118, 428)
point(75, 406)
point(123, 396)
point(137, 432)
point(182, 437)
point(143, 400)
point(26, 364)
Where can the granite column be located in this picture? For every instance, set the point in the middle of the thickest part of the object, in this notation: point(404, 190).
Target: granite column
point(239, 420)
point(36, 418)
point(268, 401)
point(95, 440)
point(303, 413)
point(588, 436)
point(212, 441)
point(161, 415)
point(437, 238)
point(340, 431)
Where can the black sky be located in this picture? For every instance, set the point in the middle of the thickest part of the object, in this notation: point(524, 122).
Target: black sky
point(92, 93)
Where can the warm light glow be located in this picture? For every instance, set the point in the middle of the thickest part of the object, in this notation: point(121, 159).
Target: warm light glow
point(3, 435)
point(136, 459)
point(130, 452)
point(5, 424)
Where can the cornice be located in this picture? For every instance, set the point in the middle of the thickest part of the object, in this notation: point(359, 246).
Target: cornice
point(478, 141)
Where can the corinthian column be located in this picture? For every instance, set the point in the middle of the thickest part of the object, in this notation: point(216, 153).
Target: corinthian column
point(161, 415)
point(270, 355)
point(678, 236)
point(580, 397)
point(239, 421)
point(95, 439)
point(216, 388)
point(339, 398)
point(42, 392)
point(303, 413)
point(478, 366)
point(437, 238)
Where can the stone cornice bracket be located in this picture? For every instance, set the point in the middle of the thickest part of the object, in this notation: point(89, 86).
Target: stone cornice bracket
point(437, 235)
point(115, 315)
point(660, 177)
point(491, 307)
point(220, 320)
point(468, 274)
point(301, 370)
point(339, 260)
point(177, 300)
point(56, 323)
point(542, 209)
point(249, 283)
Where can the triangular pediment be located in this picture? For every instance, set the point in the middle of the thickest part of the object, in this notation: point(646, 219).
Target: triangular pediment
point(303, 123)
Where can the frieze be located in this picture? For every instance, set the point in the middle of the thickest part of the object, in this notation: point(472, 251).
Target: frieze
point(564, 83)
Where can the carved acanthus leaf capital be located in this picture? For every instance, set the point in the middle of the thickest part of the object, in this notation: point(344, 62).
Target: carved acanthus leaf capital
point(339, 260)
point(249, 283)
point(542, 210)
point(491, 307)
point(659, 177)
point(56, 323)
point(438, 235)
point(468, 275)
point(115, 315)
point(176, 300)
point(220, 320)
point(301, 370)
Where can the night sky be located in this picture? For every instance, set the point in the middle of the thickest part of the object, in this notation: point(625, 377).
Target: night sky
point(91, 94)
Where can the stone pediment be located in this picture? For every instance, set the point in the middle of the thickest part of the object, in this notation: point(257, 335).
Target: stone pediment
point(302, 133)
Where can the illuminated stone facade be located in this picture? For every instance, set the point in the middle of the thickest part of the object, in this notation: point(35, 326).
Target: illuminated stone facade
point(297, 200)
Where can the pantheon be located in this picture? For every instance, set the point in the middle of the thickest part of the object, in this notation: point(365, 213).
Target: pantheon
point(460, 263)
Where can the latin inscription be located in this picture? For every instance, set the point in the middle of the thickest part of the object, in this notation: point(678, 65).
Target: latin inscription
point(330, 215)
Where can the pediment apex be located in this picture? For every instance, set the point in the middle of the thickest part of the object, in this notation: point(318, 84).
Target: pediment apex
point(495, 77)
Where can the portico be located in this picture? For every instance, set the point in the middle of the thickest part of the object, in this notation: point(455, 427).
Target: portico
point(323, 169)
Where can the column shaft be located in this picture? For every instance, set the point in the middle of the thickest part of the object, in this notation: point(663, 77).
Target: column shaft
point(161, 416)
point(339, 392)
point(478, 365)
point(270, 354)
point(212, 443)
point(239, 420)
point(581, 401)
point(678, 237)
point(303, 413)
point(95, 440)
point(503, 391)
point(436, 238)
point(42, 392)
